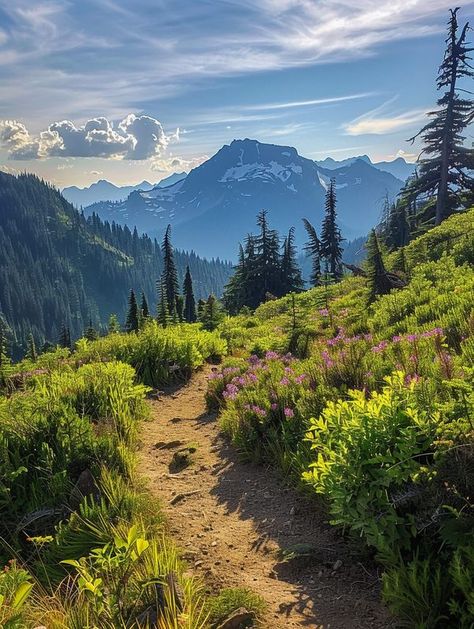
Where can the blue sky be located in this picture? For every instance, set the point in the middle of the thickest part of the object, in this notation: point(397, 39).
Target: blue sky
point(135, 90)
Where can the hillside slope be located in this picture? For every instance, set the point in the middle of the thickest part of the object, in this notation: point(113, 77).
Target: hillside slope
point(58, 268)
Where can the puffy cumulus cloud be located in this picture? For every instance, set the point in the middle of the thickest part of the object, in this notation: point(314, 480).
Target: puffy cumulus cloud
point(134, 138)
point(177, 164)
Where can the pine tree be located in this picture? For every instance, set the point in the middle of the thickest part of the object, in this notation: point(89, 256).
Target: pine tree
point(144, 310)
point(396, 230)
point(3, 342)
point(131, 324)
point(163, 317)
point(170, 274)
point(443, 174)
point(31, 352)
point(378, 281)
point(313, 249)
point(91, 333)
point(331, 238)
point(65, 337)
point(399, 264)
point(267, 262)
point(291, 279)
point(113, 325)
point(189, 300)
point(180, 308)
point(200, 309)
point(212, 314)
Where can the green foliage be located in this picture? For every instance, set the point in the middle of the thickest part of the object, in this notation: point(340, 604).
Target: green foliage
point(368, 453)
point(70, 268)
point(231, 599)
point(15, 588)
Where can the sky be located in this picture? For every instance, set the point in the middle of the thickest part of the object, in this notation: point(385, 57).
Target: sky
point(132, 90)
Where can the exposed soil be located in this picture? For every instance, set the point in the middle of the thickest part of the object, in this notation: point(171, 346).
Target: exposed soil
point(232, 519)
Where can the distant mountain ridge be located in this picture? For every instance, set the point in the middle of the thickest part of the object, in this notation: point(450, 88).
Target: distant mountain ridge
point(399, 167)
point(104, 190)
point(214, 206)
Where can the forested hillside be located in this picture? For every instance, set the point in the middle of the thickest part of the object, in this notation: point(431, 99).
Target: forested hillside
point(58, 268)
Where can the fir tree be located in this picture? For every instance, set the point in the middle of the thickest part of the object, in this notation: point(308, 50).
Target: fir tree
point(144, 310)
point(378, 281)
point(91, 333)
point(211, 315)
point(31, 352)
point(313, 249)
point(113, 325)
point(189, 300)
point(267, 262)
point(443, 174)
point(170, 274)
point(291, 280)
point(3, 342)
point(200, 309)
point(180, 308)
point(163, 317)
point(131, 324)
point(331, 238)
point(396, 228)
point(65, 337)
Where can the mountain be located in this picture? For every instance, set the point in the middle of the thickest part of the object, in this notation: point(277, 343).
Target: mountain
point(215, 205)
point(399, 168)
point(103, 190)
point(57, 267)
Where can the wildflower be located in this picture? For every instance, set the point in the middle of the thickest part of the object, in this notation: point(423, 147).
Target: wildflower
point(300, 379)
point(274, 406)
point(289, 412)
point(412, 337)
point(288, 370)
point(261, 412)
point(272, 355)
point(254, 359)
point(252, 377)
point(284, 381)
point(412, 379)
point(324, 312)
point(377, 349)
point(230, 392)
point(397, 338)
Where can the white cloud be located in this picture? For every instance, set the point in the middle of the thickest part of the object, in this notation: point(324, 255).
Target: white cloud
point(177, 164)
point(308, 103)
point(373, 125)
point(134, 138)
point(61, 53)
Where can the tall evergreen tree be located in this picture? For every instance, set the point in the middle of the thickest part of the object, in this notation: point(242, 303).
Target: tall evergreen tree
point(331, 238)
point(396, 228)
point(189, 300)
point(131, 324)
point(113, 325)
point(163, 312)
point(291, 279)
point(145, 311)
point(211, 314)
point(91, 333)
point(443, 174)
point(313, 249)
point(3, 342)
point(31, 352)
point(65, 336)
point(267, 261)
point(378, 280)
point(170, 274)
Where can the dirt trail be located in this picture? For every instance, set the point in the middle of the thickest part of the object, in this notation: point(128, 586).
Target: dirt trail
point(231, 518)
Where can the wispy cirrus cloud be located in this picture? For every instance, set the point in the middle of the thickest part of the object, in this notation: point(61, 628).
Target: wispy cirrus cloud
point(384, 124)
point(103, 55)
